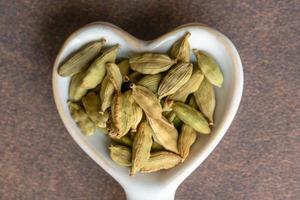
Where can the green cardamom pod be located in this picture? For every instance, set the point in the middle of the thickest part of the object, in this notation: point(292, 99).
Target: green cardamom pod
point(141, 147)
point(137, 114)
point(190, 116)
point(120, 155)
point(120, 113)
point(124, 67)
point(205, 99)
point(181, 49)
point(134, 77)
point(91, 103)
point(115, 75)
point(147, 100)
point(175, 79)
point(80, 60)
point(164, 133)
point(96, 71)
point(151, 63)
point(125, 140)
point(189, 87)
point(106, 93)
point(75, 91)
point(85, 124)
point(161, 160)
point(151, 82)
point(209, 67)
point(186, 139)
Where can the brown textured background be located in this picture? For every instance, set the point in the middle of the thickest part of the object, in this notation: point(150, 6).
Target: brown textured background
point(259, 158)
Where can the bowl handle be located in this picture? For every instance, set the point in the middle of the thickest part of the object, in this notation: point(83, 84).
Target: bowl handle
point(150, 193)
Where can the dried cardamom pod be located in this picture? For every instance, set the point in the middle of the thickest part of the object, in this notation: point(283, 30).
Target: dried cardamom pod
point(189, 87)
point(121, 112)
point(147, 100)
point(164, 133)
point(141, 147)
point(80, 60)
point(124, 67)
point(186, 139)
point(134, 77)
point(106, 93)
point(151, 63)
point(85, 124)
point(174, 79)
point(190, 116)
point(161, 160)
point(96, 71)
point(137, 114)
point(125, 140)
point(156, 147)
point(151, 82)
point(205, 99)
point(91, 103)
point(115, 75)
point(181, 49)
point(209, 67)
point(120, 155)
point(75, 91)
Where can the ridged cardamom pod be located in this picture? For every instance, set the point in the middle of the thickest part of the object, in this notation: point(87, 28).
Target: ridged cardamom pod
point(209, 67)
point(134, 77)
point(164, 133)
point(80, 60)
point(147, 100)
point(124, 67)
point(186, 139)
point(91, 103)
point(106, 93)
point(205, 99)
point(115, 75)
point(121, 113)
point(189, 87)
point(161, 160)
point(175, 79)
point(141, 147)
point(96, 71)
point(125, 140)
point(151, 63)
point(151, 82)
point(85, 124)
point(137, 114)
point(75, 91)
point(120, 155)
point(181, 49)
point(190, 116)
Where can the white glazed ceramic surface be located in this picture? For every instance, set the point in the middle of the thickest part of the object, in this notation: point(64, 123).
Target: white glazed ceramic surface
point(161, 185)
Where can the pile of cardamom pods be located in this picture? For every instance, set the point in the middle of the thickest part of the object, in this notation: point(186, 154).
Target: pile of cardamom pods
point(151, 105)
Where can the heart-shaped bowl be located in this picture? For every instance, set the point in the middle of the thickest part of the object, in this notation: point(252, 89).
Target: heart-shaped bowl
point(159, 185)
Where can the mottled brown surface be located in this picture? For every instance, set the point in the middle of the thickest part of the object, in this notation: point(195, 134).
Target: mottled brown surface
point(257, 159)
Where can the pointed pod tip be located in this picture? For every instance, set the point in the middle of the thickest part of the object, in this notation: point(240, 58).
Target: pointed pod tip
point(188, 34)
point(102, 41)
point(195, 50)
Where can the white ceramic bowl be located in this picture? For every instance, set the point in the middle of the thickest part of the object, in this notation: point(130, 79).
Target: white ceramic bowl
point(161, 185)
